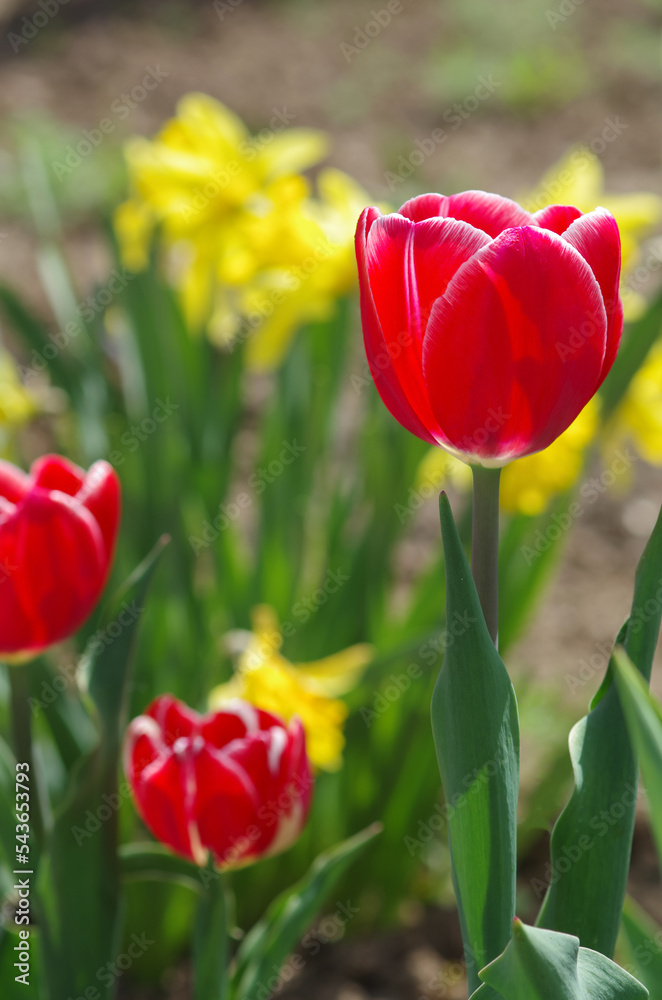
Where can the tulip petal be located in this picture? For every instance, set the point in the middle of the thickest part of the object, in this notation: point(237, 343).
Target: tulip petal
point(409, 267)
point(54, 472)
point(101, 494)
point(380, 359)
point(163, 802)
point(489, 212)
point(502, 369)
point(174, 718)
point(226, 808)
point(440, 247)
point(596, 237)
point(52, 570)
point(556, 218)
point(424, 206)
point(14, 483)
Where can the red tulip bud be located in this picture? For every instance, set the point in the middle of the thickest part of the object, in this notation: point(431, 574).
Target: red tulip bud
point(58, 527)
point(236, 783)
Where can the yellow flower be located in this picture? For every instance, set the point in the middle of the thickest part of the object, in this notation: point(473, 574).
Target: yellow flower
point(324, 273)
point(578, 179)
point(308, 690)
point(17, 403)
point(527, 485)
point(639, 417)
point(252, 251)
point(438, 468)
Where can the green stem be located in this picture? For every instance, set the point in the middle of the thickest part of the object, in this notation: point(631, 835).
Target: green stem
point(211, 951)
point(21, 728)
point(485, 543)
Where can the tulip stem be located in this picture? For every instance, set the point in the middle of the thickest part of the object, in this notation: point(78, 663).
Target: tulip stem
point(211, 948)
point(485, 543)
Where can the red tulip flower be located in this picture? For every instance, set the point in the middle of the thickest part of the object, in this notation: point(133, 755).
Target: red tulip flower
point(236, 783)
point(58, 527)
point(488, 329)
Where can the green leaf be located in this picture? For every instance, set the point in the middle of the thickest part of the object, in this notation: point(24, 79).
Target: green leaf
point(78, 887)
point(545, 965)
point(153, 862)
point(644, 719)
point(476, 735)
point(593, 834)
point(643, 944)
point(270, 941)
point(7, 803)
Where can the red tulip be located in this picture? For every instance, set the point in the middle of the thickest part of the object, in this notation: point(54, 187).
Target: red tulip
point(236, 783)
point(58, 527)
point(488, 329)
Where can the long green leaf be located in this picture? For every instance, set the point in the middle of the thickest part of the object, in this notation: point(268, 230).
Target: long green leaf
point(265, 948)
point(546, 965)
point(593, 834)
point(152, 862)
point(644, 719)
point(476, 735)
point(78, 883)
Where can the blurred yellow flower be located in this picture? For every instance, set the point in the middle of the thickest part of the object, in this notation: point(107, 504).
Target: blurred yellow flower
point(17, 403)
point(638, 419)
point(252, 252)
point(308, 690)
point(527, 485)
point(578, 179)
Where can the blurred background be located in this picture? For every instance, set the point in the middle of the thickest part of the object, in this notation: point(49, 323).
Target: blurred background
point(540, 100)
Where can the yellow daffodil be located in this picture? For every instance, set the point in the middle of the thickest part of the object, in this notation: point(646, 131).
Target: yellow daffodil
point(527, 485)
point(18, 404)
point(252, 251)
point(638, 419)
point(308, 690)
point(578, 179)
